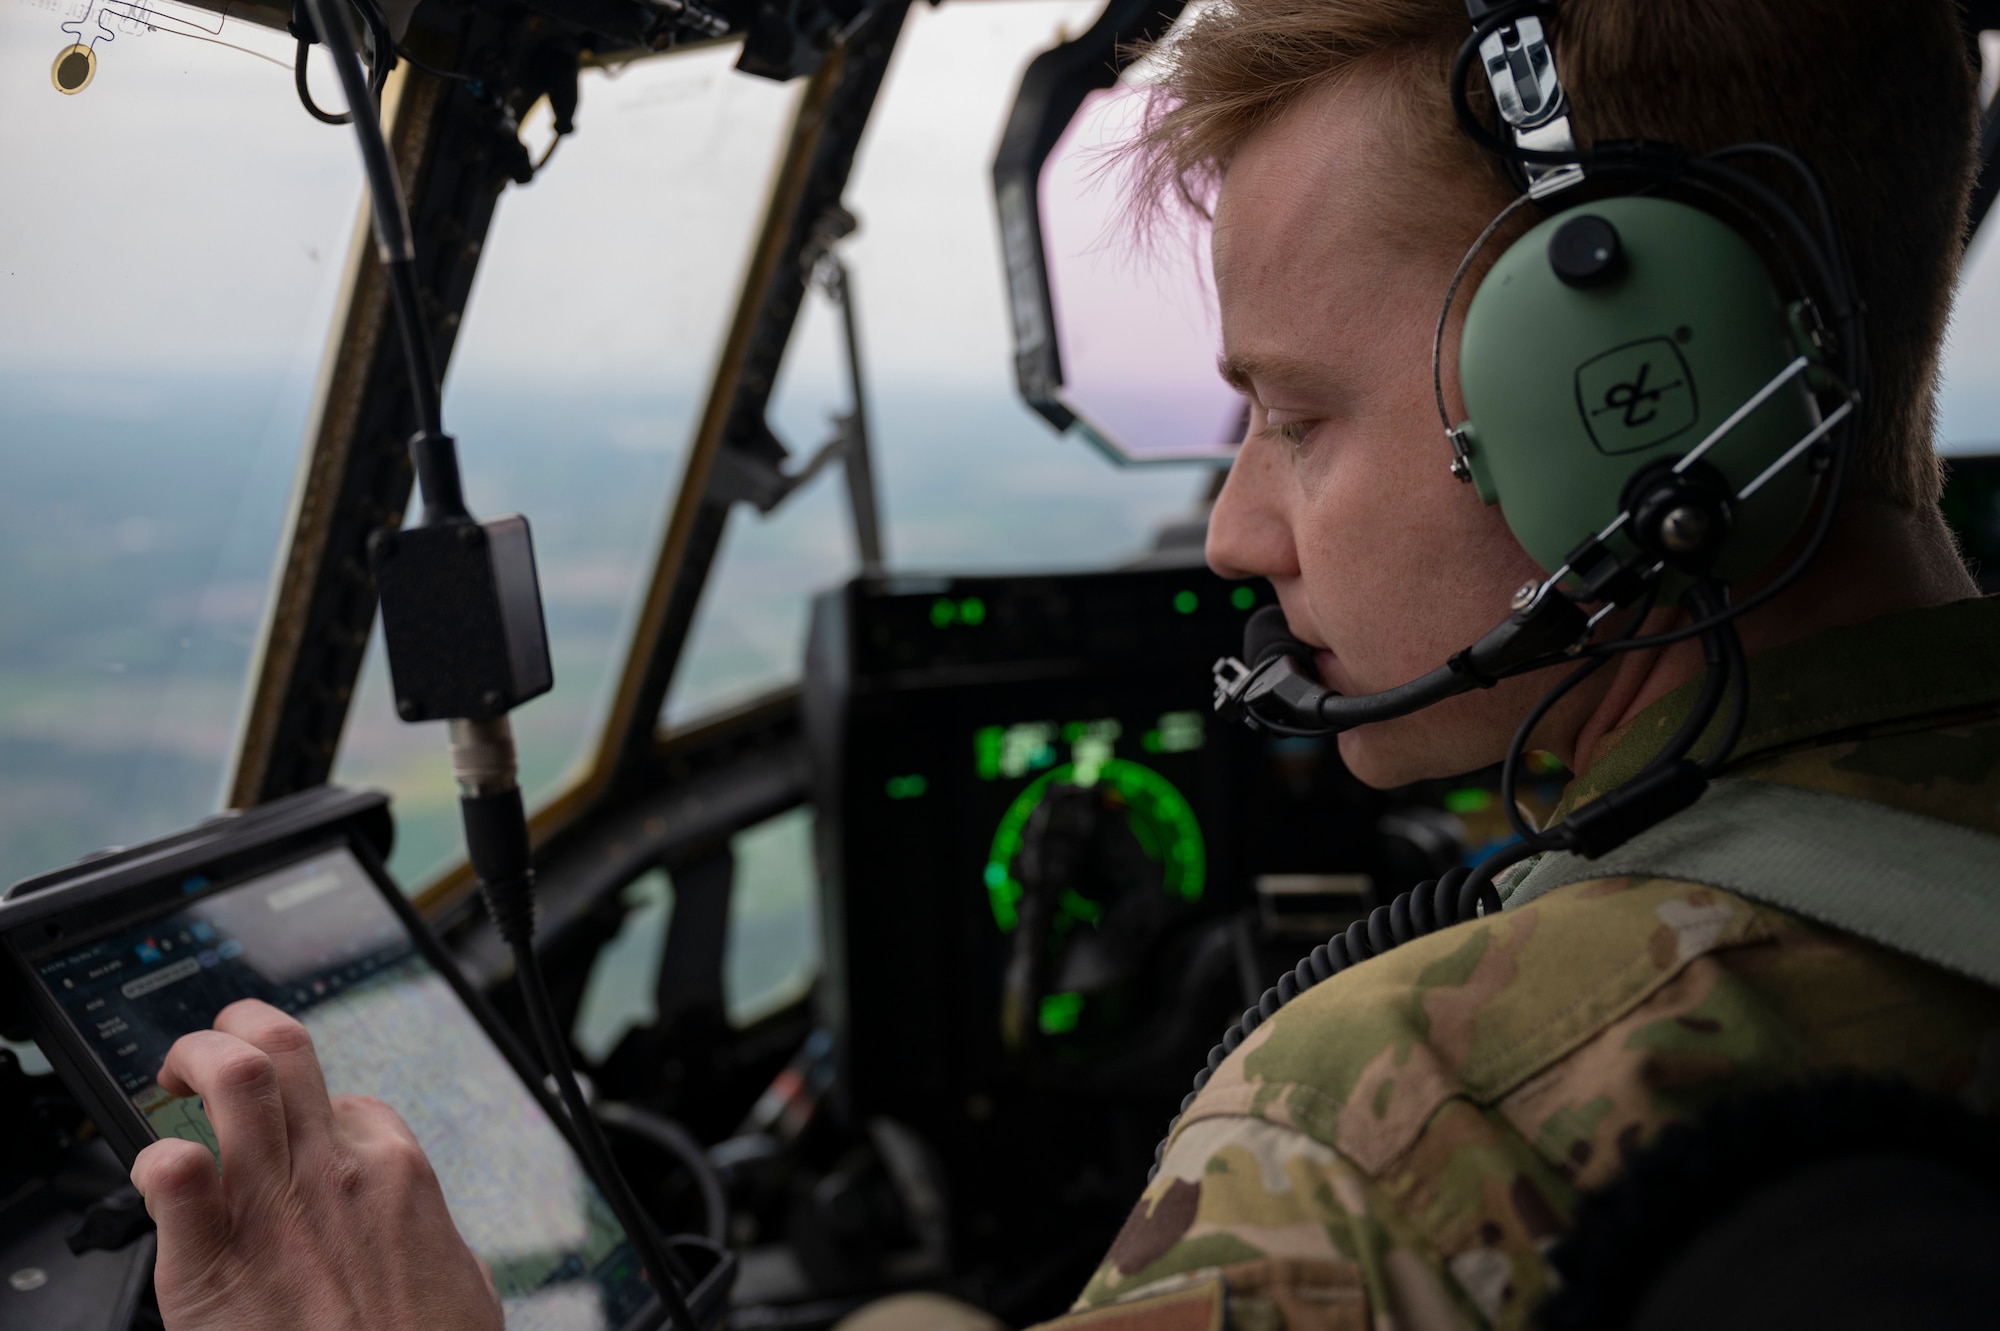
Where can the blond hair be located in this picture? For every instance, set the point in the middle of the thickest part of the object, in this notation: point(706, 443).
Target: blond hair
point(1879, 97)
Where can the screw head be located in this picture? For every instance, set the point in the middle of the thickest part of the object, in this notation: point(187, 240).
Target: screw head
point(382, 544)
point(491, 698)
point(1525, 594)
point(409, 709)
point(1686, 529)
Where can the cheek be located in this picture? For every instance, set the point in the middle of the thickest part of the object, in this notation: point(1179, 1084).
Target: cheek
point(1402, 564)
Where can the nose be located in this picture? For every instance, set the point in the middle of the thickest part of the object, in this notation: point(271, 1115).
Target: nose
point(1250, 530)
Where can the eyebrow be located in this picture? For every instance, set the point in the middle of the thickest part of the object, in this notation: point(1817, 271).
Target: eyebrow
point(1238, 371)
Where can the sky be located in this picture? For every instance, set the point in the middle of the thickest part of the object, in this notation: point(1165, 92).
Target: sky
point(109, 251)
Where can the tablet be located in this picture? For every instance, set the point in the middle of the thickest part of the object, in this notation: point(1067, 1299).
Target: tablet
point(321, 933)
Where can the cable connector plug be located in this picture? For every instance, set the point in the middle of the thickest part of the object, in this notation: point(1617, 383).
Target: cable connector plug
point(496, 824)
point(1614, 818)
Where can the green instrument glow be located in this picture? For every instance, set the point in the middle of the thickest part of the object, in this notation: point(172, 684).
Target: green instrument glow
point(1159, 816)
point(1059, 1013)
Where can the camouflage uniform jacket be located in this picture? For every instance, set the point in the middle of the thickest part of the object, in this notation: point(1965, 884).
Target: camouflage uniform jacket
point(1400, 1146)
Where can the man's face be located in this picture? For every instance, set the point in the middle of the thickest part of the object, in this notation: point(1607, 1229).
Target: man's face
point(1333, 251)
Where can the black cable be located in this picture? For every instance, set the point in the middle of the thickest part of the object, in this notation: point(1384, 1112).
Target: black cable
point(1510, 765)
point(384, 53)
point(669, 1273)
point(402, 53)
point(1806, 176)
point(511, 902)
point(392, 227)
point(670, 1137)
point(305, 91)
point(1738, 665)
point(378, 24)
point(1823, 250)
point(1714, 681)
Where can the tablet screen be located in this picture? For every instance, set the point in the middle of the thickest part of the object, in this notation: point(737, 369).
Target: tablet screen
point(316, 939)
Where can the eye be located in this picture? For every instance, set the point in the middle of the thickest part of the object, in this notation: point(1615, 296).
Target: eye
point(1294, 433)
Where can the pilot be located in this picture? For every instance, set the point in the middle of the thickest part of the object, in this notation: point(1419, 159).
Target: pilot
point(1401, 1145)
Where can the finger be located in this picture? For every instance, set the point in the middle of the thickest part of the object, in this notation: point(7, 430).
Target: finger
point(289, 1046)
point(393, 1157)
point(238, 1086)
point(184, 1197)
point(364, 1120)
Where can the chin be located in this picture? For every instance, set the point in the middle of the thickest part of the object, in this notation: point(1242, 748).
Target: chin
point(1382, 765)
point(1439, 742)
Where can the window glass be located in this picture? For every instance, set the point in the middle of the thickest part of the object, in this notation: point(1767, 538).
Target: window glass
point(171, 246)
point(773, 929)
point(771, 957)
point(1969, 391)
point(1135, 315)
point(968, 477)
point(600, 303)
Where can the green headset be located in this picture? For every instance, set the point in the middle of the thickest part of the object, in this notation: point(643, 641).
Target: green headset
point(1657, 415)
point(1620, 339)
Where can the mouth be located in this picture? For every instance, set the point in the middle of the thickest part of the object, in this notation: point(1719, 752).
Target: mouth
point(1326, 665)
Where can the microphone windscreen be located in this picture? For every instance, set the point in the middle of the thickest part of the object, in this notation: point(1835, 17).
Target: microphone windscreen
point(1265, 635)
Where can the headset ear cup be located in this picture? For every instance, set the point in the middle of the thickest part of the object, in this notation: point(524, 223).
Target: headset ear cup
point(1613, 337)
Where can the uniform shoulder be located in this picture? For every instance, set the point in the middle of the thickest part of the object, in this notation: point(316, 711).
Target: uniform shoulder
point(1362, 1061)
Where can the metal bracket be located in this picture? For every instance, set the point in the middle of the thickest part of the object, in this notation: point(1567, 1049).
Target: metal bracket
point(1522, 72)
point(1461, 455)
point(752, 472)
point(826, 271)
point(1521, 69)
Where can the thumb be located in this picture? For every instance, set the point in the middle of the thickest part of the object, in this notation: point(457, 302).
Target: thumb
point(184, 1196)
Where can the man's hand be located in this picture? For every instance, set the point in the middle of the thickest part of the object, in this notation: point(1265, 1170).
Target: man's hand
point(326, 1215)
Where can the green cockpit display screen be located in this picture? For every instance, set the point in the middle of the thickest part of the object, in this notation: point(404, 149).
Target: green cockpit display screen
point(1157, 815)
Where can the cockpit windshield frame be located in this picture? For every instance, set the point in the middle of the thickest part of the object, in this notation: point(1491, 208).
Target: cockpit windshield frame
point(355, 475)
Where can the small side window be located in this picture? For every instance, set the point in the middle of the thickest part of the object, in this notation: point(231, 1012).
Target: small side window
point(772, 949)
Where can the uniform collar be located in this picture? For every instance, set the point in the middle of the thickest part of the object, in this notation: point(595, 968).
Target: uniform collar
point(1890, 673)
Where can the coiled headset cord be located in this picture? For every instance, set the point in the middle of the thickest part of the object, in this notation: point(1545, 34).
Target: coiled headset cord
point(1424, 909)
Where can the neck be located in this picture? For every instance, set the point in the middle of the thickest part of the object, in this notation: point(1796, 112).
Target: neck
point(1878, 560)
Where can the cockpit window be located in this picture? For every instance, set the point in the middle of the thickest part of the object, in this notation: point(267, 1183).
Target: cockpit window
point(1134, 305)
point(1969, 391)
point(602, 297)
point(171, 247)
point(968, 477)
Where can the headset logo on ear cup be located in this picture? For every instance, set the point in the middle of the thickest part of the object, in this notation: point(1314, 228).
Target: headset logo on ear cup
point(1636, 396)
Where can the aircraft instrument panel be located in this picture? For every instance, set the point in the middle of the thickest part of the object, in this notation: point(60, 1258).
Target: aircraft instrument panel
point(1043, 857)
